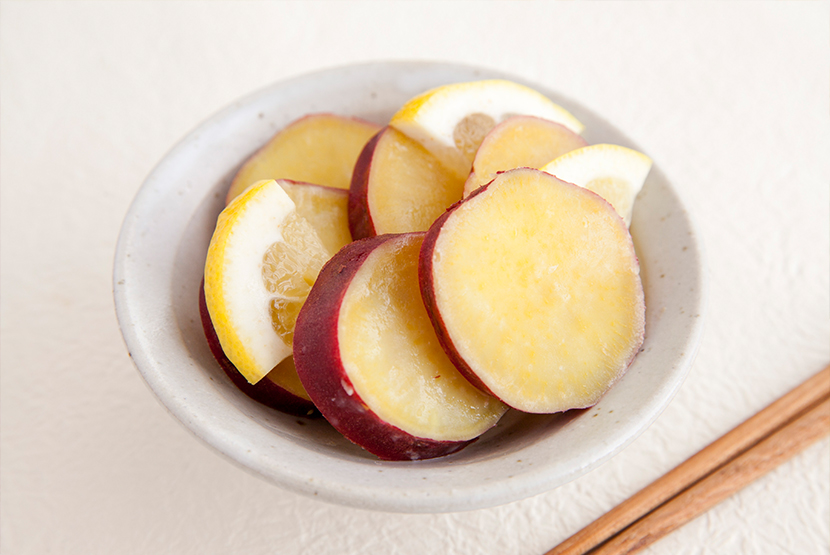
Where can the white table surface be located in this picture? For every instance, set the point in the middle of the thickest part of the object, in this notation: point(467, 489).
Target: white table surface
point(731, 100)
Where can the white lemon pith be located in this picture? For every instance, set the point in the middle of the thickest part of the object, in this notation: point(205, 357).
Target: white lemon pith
point(451, 121)
point(614, 172)
point(261, 262)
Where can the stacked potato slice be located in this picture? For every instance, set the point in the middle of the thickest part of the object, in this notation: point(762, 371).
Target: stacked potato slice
point(452, 281)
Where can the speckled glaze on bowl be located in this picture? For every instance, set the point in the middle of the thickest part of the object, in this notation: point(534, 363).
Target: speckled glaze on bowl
point(159, 262)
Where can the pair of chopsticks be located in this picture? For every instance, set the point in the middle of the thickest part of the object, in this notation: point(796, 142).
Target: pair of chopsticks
point(778, 432)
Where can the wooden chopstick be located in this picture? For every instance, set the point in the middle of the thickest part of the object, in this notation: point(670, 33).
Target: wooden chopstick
point(758, 431)
point(737, 473)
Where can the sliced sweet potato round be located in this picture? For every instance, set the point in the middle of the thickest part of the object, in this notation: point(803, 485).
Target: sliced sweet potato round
point(533, 286)
point(367, 354)
point(317, 148)
point(398, 186)
point(519, 142)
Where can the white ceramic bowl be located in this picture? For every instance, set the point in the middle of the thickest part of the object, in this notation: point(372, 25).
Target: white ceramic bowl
point(159, 262)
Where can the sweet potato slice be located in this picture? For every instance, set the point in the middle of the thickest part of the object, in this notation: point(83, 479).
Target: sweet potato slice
point(367, 354)
point(317, 148)
point(533, 286)
point(520, 142)
point(398, 186)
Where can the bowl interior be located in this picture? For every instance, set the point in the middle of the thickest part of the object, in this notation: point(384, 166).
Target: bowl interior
point(159, 264)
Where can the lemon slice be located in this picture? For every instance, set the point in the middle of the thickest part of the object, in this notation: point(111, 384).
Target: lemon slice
point(614, 172)
point(452, 120)
point(262, 260)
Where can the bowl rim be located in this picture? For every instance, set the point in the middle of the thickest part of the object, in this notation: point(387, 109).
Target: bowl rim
point(413, 496)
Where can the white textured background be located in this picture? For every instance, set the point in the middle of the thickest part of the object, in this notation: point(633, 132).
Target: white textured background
point(730, 99)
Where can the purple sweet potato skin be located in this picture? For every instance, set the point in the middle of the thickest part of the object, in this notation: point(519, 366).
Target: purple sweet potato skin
point(320, 367)
point(265, 391)
point(426, 280)
point(360, 219)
